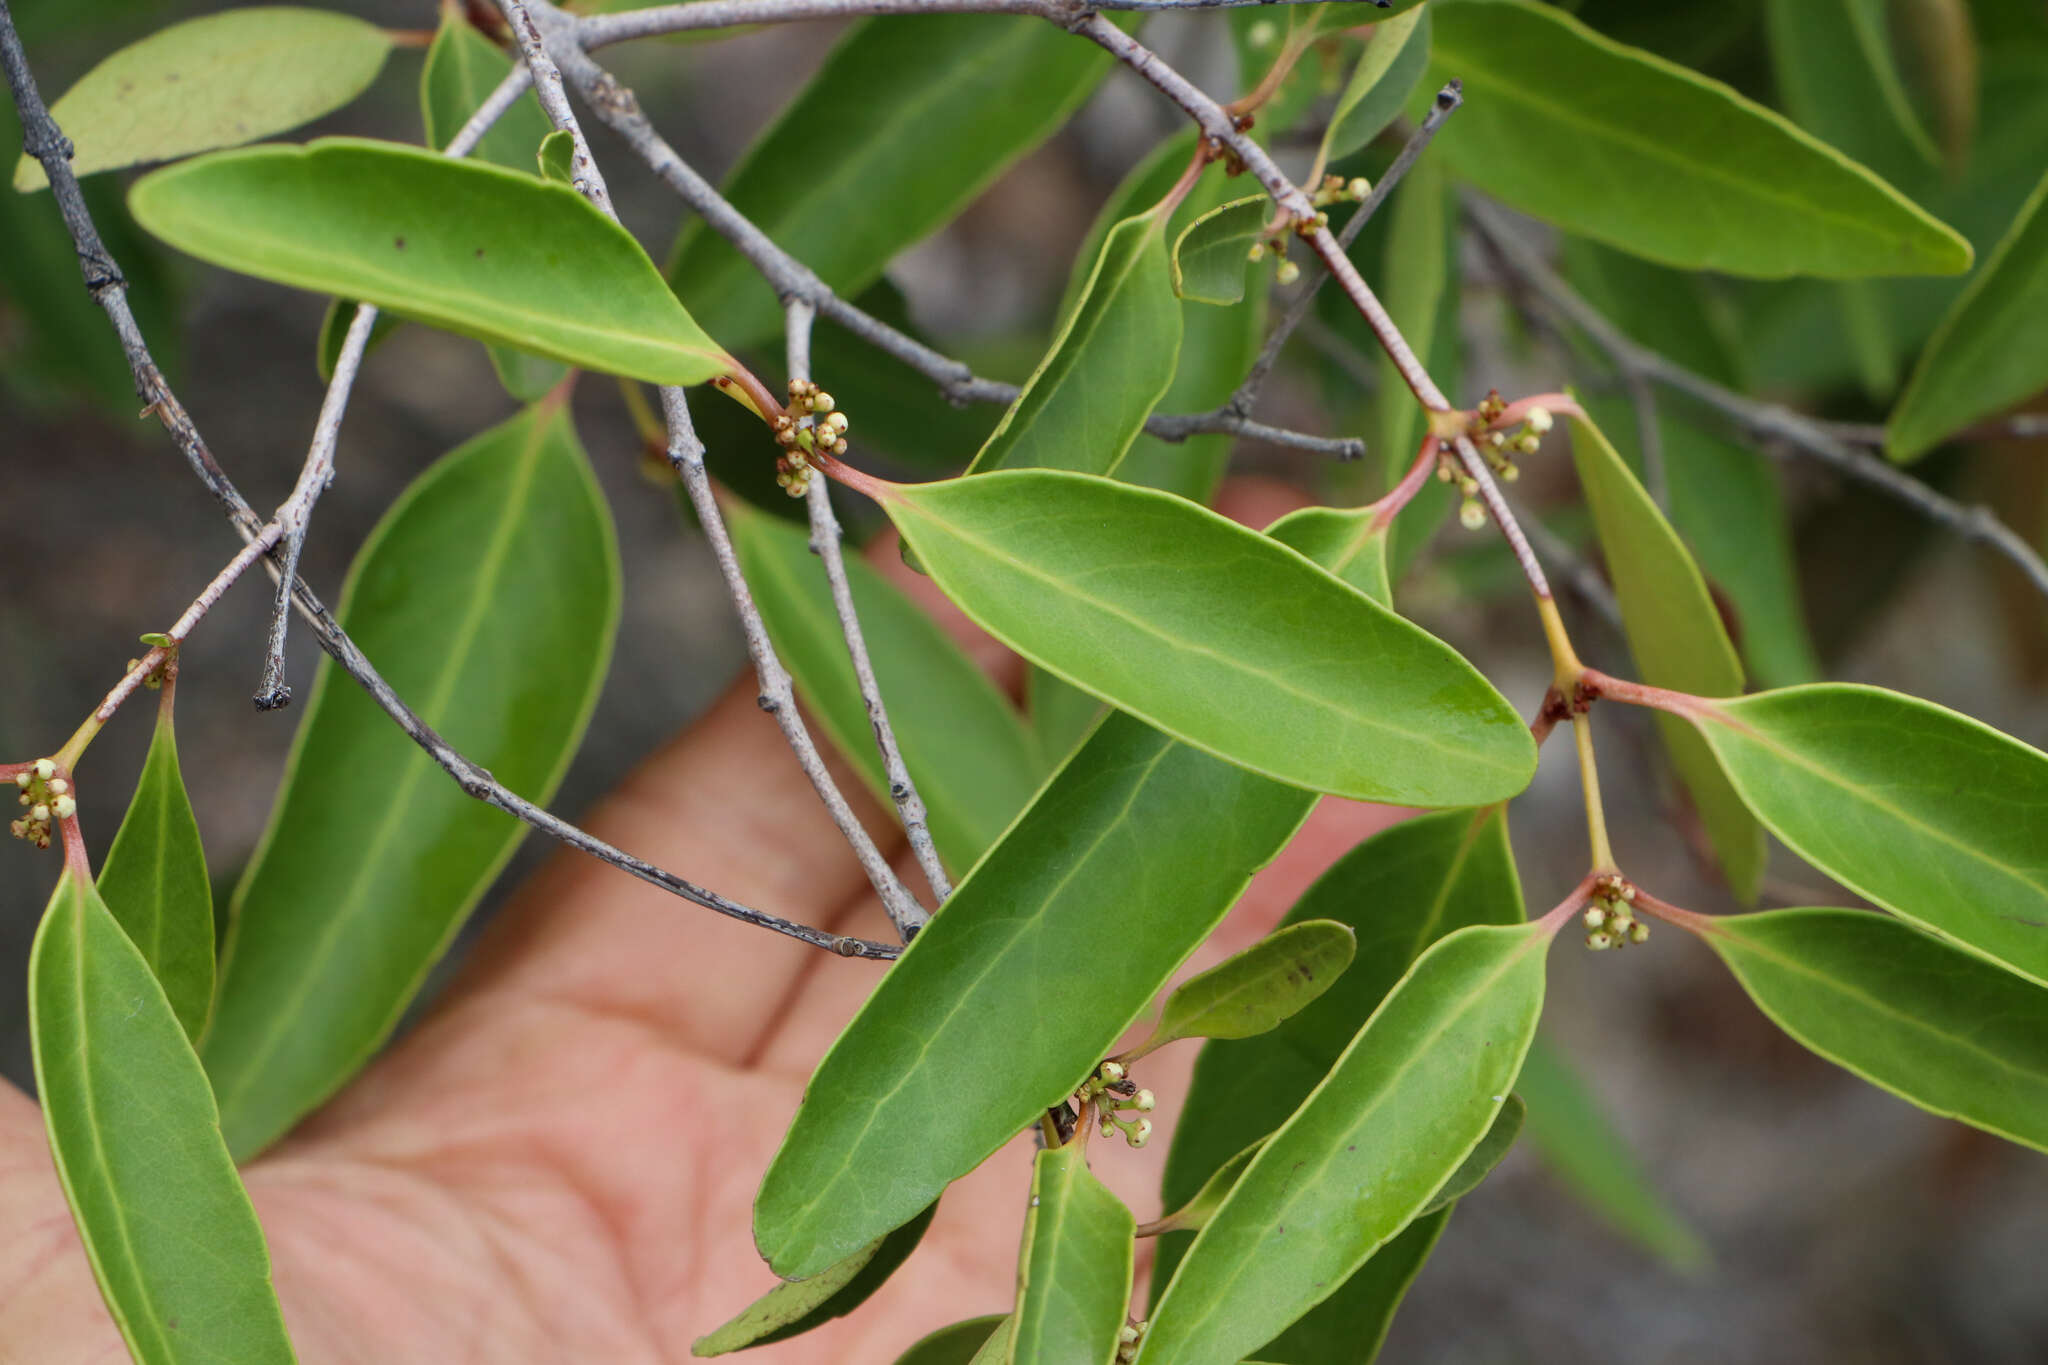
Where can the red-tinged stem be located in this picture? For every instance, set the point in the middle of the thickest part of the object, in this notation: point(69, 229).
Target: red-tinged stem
point(1204, 154)
point(1556, 404)
point(1556, 918)
point(1401, 494)
point(744, 387)
point(1595, 684)
point(1689, 920)
point(1554, 709)
point(859, 480)
point(75, 860)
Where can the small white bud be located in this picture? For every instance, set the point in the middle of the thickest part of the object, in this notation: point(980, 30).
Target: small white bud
point(58, 786)
point(1288, 273)
point(822, 402)
point(1595, 917)
point(1539, 420)
point(45, 769)
point(1113, 1071)
point(23, 778)
point(1261, 35)
point(1143, 1134)
point(1127, 1334)
point(1599, 941)
point(1638, 932)
point(1142, 1102)
point(1509, 473)
point(1257, 252)
point(39, 813)
point(1359, 188)
point(66, 807)
point(1471, 516)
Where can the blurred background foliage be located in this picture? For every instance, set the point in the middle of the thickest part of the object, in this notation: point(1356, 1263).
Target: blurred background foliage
point(1842, 1225)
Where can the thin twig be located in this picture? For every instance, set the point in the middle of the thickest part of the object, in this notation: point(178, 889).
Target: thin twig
point(1446, 103)
point(46, 142)
point(547, 85)
point(1779, 428)
point(1579, 575)
point(826, 543)
point(2022, 426)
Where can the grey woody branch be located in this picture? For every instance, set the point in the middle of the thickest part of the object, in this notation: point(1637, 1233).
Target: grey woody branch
point(1780, 429)
point(827, 542)
point(546, 36)
point(46, 143)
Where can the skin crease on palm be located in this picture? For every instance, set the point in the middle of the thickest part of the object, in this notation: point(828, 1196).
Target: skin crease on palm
point(558, 1165)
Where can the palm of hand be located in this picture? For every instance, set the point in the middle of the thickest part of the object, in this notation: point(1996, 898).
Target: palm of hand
point(558, 1165)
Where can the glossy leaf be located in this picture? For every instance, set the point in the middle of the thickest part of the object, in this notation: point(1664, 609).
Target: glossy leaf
point(476, 249)
point(1491, 1151)
point(1398, 1114)
point(1107, 368)
point(1191, 1216)
point(1906, 1012)
point(215, 81)
point(1421, 252)
point(1351, 1325)
point(1400, 891)
point(1212, 256)
point(796, 1306)
point(462, 68)
point(1126, 860)
point(1345, 540)
point(1991, 350)
point(155, 882)
point(883, 147)
point(1395, 57)
point(966, 748)
point(957, 1344)
point(1060, 716)
point(1120, 590)
point(488, 597)
point(556, 157)
point(167, 1227)
point(1928, 813)
point(1582, 1147)
point(1074, 1272)
point(1259, 988)
point(1676, 636)
point(1636, 151)
point(996, 1350)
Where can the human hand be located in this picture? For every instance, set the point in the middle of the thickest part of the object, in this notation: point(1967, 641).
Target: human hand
point(558, 1164)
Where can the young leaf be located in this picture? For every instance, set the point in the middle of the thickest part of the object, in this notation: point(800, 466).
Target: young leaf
point(215, 81)
point(1400, 891)
point(961, 1343)
point(1992, 348)
point(1212, 256)
point(1936, 817)
point(556, 155)
point(475, 249)
point(154, 880)
point(1395, 57)
point(1688, 172)
point(1200, 627)
point(796, 1306)
point(1906, 1012)
point(166, 1224)
point(1676, 636)
point(462, 68)
point(1259, 988)
point(1107, 368)
point(1491, 1151)
point(1074, 1272)
point(488, 596)
point(889, 140)
point(965, 746)
point(1579, 1143)
point(1348, 541)
point(1124, 862)
point(1398, 1114)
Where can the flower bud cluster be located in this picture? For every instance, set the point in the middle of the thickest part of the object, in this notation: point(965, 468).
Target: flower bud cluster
point(48, 798)
point(1129, 1338)
point(1610, 916)
point(1111, 1089)
point(811, 423)
point(1500, 446)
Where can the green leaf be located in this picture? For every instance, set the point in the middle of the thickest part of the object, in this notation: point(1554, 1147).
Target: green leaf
point(1491, 1151)
point(527, 377)
point(1643, 154)
point(1676, 636)
point(1398, 1114)
point(1348, 541)
point(1838, 76)
point(1126, 861)
point(1259, 988)
point(166, 1224)
point(796, 1306)
point(1060, 716)
point(960, 1343)
point(1928, 813)
point(1121, 589)
point(462, 69)
point(556, 155)
point(1202, 1205)
point(488, 596)
point(1211, 257)
point(1581, 1146)
point(996, 1350)
point(1395, 57)
point(154, 880)
point(1989, 350)
point(1108, 367)
point(1400, 891)
point(1074, 1272)
point(216, 81)
point(1351, 1325)
point(476, 249)
point(1421, 252)
point(884, 146)
point(1906, 1012)
point(965, 746)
